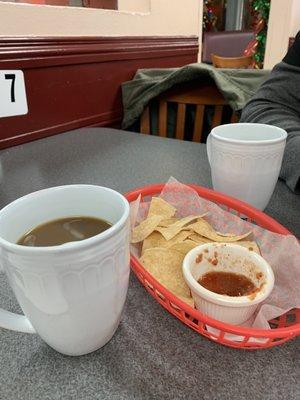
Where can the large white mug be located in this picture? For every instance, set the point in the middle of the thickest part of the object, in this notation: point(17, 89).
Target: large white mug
point(72, 295)
point(245, 160)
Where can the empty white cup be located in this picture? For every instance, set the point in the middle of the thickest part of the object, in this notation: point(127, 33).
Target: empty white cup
point(245, 160)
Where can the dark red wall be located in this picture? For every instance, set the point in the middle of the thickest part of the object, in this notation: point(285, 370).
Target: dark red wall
point(76, 82)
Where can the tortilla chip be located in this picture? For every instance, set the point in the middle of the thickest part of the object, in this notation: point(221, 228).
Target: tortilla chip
point(202, 240)
point(167, 222)
point(155, 239)
point(203, 228)
point(184, 247)
point(159, 206)
point(172, 230)
point(187, 300)
point(165, 266)
point(199, 239)
point(252, 246)
point(145, 228)
point(180, 237)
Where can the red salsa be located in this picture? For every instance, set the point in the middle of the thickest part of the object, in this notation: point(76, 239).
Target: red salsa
point(227, 283)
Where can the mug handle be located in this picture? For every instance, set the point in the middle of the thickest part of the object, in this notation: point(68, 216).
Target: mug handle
point(208, 148)
point(15, 322)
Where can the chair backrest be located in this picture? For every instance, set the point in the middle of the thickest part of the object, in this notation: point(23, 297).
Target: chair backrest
point(225, 44)
point(201, 96)
point(231, 62)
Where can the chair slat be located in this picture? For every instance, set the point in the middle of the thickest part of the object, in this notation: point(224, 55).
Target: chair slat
point(231, 62)
point(145, 121)
point(162, 119)
point(180, 123)
point(217, 118)
point(198, 126)
point(183, 95)
point(234, 118)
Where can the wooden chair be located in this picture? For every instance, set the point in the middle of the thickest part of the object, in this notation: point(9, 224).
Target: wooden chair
point(231, 62)
point(201, 96)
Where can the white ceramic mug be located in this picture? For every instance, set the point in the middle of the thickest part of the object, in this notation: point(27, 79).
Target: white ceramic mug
point(72, 295)
point(245, 160)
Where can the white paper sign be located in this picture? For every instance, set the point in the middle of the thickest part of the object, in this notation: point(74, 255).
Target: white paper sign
point(13, 99)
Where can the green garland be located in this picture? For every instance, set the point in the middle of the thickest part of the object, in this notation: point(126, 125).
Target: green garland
point(262, 7)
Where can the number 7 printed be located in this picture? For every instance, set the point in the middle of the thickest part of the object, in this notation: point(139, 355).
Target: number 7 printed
point(12, 88)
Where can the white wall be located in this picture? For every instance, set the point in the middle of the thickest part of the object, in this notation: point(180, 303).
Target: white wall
point(166, 18)
point(284, 22)
point(200, 12)
point(295, 18)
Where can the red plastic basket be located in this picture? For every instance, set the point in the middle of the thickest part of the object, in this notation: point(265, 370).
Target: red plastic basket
point(284, 328)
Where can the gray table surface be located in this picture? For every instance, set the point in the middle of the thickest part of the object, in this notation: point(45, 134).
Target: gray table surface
point(152, 355)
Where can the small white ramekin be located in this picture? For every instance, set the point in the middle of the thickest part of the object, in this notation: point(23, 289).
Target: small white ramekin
point(229, 258)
